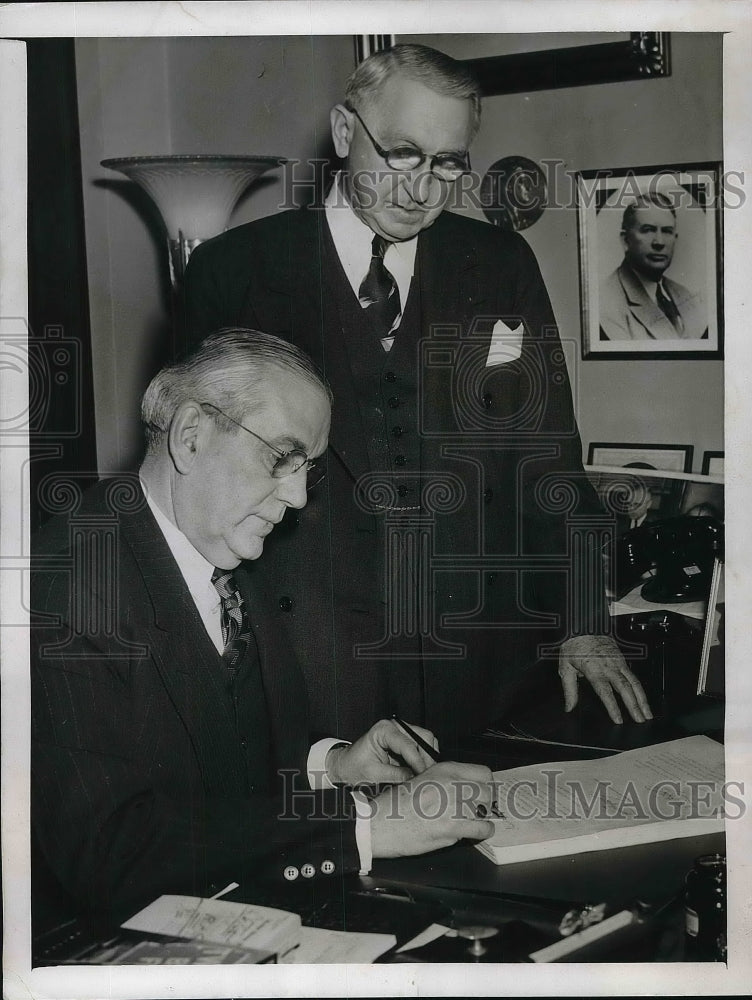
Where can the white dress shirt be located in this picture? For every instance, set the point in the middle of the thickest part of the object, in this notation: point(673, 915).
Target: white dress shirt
point(352, 241)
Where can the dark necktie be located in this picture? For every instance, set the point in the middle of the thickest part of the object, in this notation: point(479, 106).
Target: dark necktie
point(236, 625)
point(668, 306)
point(378, 292)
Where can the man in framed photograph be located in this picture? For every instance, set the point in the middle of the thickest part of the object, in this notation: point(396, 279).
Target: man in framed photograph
point(638, 301)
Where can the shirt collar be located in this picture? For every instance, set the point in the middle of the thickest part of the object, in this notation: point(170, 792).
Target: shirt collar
point(196, 570)
point(352, 241)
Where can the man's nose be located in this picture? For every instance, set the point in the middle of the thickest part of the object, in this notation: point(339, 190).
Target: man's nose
point(292, 489)
point(424, 185)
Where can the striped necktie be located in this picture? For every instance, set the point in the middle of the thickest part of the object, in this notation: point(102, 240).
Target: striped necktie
point(378, 293)
point(236, 625)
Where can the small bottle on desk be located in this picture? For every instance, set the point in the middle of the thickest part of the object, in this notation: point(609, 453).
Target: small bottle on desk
point(705, 910)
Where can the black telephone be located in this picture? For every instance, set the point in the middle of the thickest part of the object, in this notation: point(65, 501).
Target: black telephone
point(680, 551)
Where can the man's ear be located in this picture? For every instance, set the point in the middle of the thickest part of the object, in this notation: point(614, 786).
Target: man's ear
point(188, 427)
point(342, 123)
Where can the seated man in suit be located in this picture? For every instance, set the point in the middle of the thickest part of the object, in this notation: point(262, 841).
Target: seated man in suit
point(438, 564)
point(165, 700)
point(637, 301)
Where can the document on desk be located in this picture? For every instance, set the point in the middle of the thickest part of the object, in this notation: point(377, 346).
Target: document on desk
point(320, 946)
point(219, 921)
point(661, 792)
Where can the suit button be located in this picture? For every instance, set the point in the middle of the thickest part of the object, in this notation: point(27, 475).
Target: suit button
point(487, 400)
point(291, 873)
point(307, 870)
point(327, 867)
point(400, 460)
point(390, 377)
point(285, 603)
point(397, 431)
point(488, 495)
point(394, 402)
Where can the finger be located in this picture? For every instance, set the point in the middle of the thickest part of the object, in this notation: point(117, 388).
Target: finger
point(389, 774)
point(398, 742)
point(639, 692)
point(474, 829)
point(622, 685)
point(568, 676)
point(606, 694)
point(426, 734)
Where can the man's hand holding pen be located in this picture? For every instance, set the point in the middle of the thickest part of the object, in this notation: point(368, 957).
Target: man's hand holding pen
point(372, 760)
point(430, 804)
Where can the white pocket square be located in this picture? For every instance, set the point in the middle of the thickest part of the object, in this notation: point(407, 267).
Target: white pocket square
point(506, 344)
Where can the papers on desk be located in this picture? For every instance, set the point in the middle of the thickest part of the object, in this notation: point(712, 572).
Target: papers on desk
point(656, 793)
point(260, 928)
point(319, 946)
point(220, 922)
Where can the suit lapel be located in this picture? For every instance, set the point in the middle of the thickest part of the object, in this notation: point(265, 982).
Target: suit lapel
point(291, 299)
point(648, 313)
point(184, 655)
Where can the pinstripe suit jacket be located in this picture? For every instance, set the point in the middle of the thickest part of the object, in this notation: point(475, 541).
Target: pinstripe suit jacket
point(139, 780)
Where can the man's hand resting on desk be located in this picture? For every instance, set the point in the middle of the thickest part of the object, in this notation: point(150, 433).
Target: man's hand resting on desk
point(436, 809)
point(371, 759)
point(599, 660)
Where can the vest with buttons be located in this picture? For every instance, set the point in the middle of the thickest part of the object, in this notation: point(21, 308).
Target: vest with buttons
point(244, 687)
point(386, 388)
point(385, 382)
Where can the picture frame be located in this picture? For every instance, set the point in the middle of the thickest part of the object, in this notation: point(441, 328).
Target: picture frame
point(640, 55)
point(712, 463)
point(660, 457)
point(624, 273)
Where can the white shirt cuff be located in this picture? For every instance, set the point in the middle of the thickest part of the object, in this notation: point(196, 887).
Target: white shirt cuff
point(316, 763)
point(363, 813)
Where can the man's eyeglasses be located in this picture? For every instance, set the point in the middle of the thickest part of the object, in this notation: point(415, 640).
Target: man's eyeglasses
point(446, 166)
point(288, 462)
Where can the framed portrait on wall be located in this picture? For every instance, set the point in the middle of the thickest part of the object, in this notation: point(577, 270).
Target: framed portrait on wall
point(664, 457)
point(651, 262)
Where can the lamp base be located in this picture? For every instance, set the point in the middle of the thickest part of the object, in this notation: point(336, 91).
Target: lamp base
point(179, 252)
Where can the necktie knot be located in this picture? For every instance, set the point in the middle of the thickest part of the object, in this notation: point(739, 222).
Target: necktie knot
point(378, 246)
point(224, 583)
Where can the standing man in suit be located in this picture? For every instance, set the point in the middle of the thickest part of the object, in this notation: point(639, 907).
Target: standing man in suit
point(165, 699)
point(437, 562)
point(638, 301)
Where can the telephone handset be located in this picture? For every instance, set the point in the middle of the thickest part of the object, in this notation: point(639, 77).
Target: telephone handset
point(681, 552)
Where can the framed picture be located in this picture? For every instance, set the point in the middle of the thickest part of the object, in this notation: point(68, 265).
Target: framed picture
point(638, 55)
point(651, 262)
point(664, 457)
point(712, 463)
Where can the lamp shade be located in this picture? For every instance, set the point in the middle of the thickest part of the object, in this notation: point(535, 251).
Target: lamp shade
point(194, 194)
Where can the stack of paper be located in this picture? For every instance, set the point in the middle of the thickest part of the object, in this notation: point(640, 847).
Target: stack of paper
point(660, 792)
point(220, 922)
point(261, 928)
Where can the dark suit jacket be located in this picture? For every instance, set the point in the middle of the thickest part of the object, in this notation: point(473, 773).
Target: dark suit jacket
point(502, 436)
point(140, 784)
point(628, 313)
